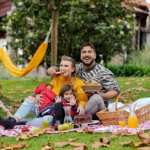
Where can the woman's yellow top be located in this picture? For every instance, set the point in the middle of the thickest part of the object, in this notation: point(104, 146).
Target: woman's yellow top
point(59, 81)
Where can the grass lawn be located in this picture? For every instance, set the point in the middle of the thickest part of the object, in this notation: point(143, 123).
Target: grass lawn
point(18, 89)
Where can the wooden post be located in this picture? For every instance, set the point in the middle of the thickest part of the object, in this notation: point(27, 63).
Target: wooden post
point(54, 33)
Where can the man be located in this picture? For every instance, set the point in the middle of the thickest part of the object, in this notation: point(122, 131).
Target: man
point(89, 70)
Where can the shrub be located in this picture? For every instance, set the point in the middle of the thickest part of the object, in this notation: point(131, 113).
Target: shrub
point(141, 57)
point(129, 70)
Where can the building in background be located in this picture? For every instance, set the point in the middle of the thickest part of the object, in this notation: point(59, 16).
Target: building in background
point(141, 37)
point(5, 6)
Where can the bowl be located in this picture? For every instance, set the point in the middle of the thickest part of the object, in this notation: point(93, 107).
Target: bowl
point(91, 87)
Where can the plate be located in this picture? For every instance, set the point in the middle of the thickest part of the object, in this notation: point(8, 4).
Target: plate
point(91, 88)
point(93, 122)
point(90, 123)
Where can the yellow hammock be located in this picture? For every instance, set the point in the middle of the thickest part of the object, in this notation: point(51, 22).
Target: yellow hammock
point(36, 60)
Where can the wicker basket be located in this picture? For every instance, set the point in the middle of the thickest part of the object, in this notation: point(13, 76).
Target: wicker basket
point(112, 118)
point(91, 88)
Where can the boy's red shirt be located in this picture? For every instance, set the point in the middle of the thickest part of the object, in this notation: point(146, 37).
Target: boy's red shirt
point(48, 95)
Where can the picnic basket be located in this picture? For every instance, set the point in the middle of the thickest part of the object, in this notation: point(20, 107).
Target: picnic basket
point(91, 87)
point(112, 118)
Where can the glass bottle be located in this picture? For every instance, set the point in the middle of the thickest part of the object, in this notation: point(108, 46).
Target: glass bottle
point(68, 118)
point(132, 119)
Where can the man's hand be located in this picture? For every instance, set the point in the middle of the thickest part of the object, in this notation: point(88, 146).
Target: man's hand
point(52, 71)
point(109, 95)
point(81, 110)
point(72, 101)
point(58, 99)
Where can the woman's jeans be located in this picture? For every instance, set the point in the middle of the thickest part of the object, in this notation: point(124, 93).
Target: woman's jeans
point(29, 106)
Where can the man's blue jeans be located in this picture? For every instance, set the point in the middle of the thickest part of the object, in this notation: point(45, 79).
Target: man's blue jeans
point(29, 106)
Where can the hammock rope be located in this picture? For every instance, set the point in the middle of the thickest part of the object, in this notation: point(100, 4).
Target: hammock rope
point(36, 60)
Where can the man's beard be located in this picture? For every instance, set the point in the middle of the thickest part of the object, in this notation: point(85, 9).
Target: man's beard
point(87, 64)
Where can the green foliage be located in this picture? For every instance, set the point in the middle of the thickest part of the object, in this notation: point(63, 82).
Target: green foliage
point(141, 57)
point(129, 70)
point(104, 23)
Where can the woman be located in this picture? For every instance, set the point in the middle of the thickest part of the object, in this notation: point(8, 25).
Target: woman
point(68, 76)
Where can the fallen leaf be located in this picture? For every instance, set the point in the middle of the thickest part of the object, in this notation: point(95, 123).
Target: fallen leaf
point(91, 140)
point(61, 144)
point(135, 144)
point(125, 143)
point(122, 97)
point(138, 80)
point(17, 100)
point(129, 90)
point(21, 95)
point(106, 140)
point(47, 147)
point(128, 134)
point(145, 142)
point(8, 96)
point(90, 131)
point(144, 148)
point(39, 80)
point(48, 129)
point(8, 148)
point(135, 96)
point(18, 87)
point(24, 137)
point(11, 92)
point(19, 145)
point(77, 144)
point(80, 148)
point(121, 77)
point(116, 133)
point(141, 132)
point(41, 132)
point(3, 106)
point(84, 130)
point(127, 83)
point(98, 144)
point(15, 106)
point(144, 136)
point(0, 88)
point(33, 135)
point(139, 83)
point(1, 144)
point(62, 133)
point(79, 131)
point(11, 89)
point(131, 79)
point(70, 140)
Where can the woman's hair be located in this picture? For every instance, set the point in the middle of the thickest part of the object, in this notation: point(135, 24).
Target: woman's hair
point(73, 75)
point(66, 88)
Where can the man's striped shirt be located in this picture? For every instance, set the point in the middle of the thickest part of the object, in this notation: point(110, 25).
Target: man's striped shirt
point(101, 75)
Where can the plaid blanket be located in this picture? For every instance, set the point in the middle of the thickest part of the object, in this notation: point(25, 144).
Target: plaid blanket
point(96, 127)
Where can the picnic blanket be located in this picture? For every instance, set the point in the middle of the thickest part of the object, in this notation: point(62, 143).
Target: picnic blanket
point(96, 127)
